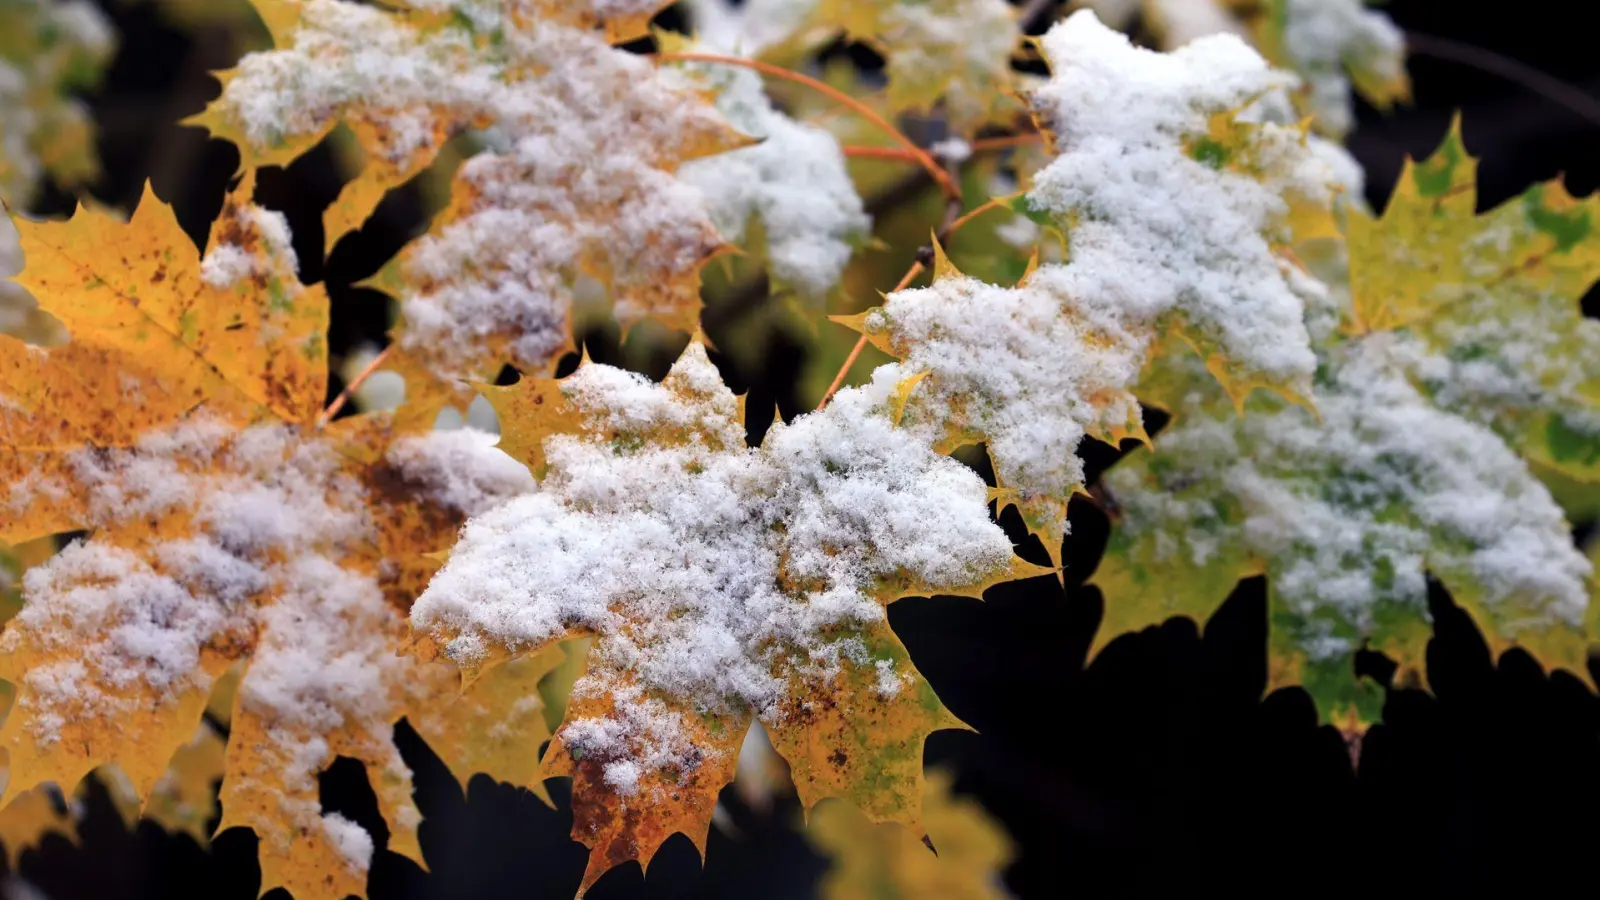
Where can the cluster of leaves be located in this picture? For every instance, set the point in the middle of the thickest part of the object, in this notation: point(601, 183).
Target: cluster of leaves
point(1354, 401)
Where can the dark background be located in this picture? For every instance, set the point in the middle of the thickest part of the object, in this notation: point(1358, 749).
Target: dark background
point(1158, 768)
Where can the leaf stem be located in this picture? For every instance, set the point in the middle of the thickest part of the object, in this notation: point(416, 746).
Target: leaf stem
point(349, 389)
point(943, 179)
point(856, 151)
point(1008, 140)
point(861, 343)
point(976, 211)
point(951, 221)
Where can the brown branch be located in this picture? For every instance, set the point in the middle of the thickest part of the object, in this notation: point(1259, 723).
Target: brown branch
point(861, 343)
point(951, 220)
point(1035, 12)
point(349, 389)
point(853, 151)
point(1573, 98)
point(927, 162)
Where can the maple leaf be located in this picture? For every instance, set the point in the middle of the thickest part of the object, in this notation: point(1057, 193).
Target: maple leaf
point(226, 525)
point(1344, 512)
point(1177, 220)
point(48, 50)
point(790, 197)
point(1333, 44)
point(885, 860)
point(28, 819)
point(531, 218)
point(754, 589)
point(184, 800)
point(953, 52)
point(1493, 301)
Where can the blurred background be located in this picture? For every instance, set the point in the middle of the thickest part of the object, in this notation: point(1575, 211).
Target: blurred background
point(1158, 768)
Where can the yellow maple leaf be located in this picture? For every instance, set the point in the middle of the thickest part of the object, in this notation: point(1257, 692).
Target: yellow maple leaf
point(26, 820)
point(1494, 300)
point(49, 51)
point(185, 799)
point(530, 218)
point(1033, 369)
point(226, 523)
point(886, 861)
point(951, 52)
point(720, 540)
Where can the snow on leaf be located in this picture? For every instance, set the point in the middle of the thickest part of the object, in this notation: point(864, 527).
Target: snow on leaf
point(1174, 213)
point(225, 527)
point(578, 181)
point(1493, 301)
point(234, 331)
point(1173, 208)
point(1020, 368)
point(953, 52)
point(755, 588)
point(49, 49)
point(886, 860)
point(794, 182)
point(1333, 44)
point(324, 681)
point(1344, 514)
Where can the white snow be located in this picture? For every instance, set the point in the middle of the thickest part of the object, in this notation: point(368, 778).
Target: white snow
point(1349, 512)
point(582, 184)
point(350, 839)
point(1157, 238)
point(266, 251)
point(1182, 21)
point(742, 568)
point(794, 181)
point(1017, 367)
point(965, 46)
point(748, 28)
point(459, 469)
point(1156, 233)
point(1324, 38)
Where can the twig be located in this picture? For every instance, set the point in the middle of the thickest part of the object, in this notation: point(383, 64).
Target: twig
point(861, 343)
point(921, 156)
point(855, 151)
point(1000, 143)
point(1034, 12)
point(349, 389)
point(1575, 99)
point(976, 211)
point(947, 226)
